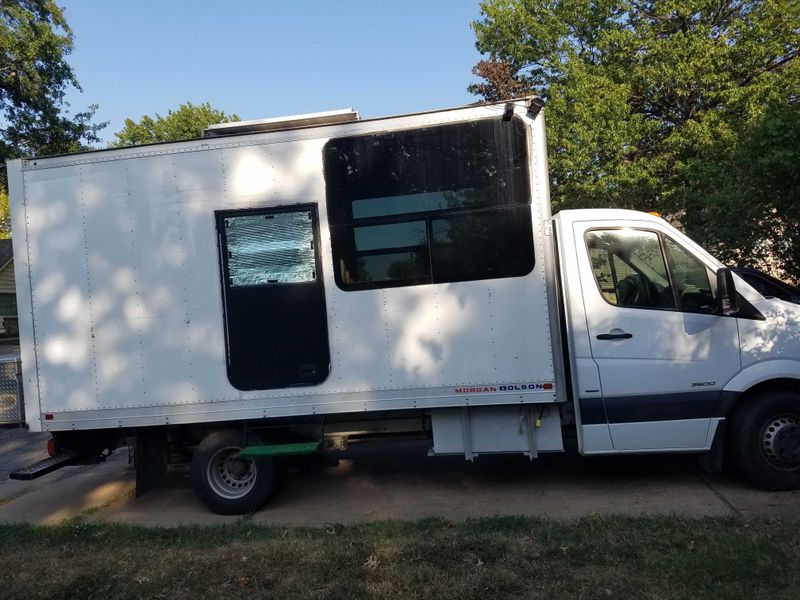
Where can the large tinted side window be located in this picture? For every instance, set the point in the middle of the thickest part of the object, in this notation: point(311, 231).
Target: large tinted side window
point(276, 325)
point(430, 205)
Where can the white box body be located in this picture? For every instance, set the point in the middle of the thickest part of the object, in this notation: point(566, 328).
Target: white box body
point(120, 300)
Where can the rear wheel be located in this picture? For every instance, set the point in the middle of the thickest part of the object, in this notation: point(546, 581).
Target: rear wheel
point(765, 439)
point(227, 483)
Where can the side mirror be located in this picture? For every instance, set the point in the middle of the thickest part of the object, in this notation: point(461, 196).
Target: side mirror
point(727, 299)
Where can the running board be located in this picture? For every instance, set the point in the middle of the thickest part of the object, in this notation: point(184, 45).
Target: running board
point(43, 467)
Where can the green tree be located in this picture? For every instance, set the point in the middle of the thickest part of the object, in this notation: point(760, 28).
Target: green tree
point(751, 185)
point(187, 122)
point(5, 216)
point(34, 79)
point(652, 103)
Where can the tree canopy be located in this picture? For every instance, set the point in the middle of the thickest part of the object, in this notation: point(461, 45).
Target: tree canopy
point(187, 122)
point(35, 76)
point(689, 107)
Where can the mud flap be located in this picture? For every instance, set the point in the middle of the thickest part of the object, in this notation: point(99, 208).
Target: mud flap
point(150, 458)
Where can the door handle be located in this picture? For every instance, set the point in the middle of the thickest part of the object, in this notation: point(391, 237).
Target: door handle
point(615, 334)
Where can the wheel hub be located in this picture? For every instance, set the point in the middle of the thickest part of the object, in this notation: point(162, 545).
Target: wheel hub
point(236, 467)
point(780, 442)
point(230, 475)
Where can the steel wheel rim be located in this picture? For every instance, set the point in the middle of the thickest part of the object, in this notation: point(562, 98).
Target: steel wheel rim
point(780, 442)
point(229, 475)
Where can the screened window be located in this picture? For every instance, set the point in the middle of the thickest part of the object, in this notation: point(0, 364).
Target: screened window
point(274, 248)
point(430, 205)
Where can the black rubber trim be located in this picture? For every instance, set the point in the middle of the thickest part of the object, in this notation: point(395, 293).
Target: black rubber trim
point(726, 402)
point(593, 412)
point(656, 407)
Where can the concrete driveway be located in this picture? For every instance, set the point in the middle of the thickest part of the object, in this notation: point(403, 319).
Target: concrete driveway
point(395, 481)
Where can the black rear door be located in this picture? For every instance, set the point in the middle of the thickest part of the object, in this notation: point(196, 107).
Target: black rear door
point(276, 327)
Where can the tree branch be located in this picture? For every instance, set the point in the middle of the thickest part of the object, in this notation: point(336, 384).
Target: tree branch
point(768, 68)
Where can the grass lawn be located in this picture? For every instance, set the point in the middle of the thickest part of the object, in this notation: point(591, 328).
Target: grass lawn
point(483, 558)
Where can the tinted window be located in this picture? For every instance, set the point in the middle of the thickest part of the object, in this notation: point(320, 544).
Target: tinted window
point(768, 287)
point(760, 285)
point(395, 251)
point(430, 205)
point(480, 245)
point(411, 203)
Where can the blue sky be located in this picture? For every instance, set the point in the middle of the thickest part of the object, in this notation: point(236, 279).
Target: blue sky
point(271, 58)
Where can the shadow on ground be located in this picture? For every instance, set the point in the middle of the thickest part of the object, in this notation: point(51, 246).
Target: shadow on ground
point(397, 480)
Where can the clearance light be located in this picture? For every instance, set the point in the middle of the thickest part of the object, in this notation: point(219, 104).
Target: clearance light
point(655, 213)
point(51, 447)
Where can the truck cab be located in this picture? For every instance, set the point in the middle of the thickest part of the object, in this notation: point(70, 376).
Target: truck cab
point(658, 364)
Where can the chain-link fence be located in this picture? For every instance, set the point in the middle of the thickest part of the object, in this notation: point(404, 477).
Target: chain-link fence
point(11, 407)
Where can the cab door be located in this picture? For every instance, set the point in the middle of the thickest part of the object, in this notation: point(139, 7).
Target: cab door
point(662, 354)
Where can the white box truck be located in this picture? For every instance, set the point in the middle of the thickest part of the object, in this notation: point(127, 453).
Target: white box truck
point(285, 286)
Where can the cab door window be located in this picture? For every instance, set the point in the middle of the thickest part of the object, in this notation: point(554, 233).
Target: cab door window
point(629, 268)
point(644, 269)
point(692, 280)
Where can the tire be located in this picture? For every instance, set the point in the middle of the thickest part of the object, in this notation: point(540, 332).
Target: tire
point(226, 483)
point(765, 439)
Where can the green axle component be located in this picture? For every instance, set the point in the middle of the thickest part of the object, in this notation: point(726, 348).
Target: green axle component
point(280, 449)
